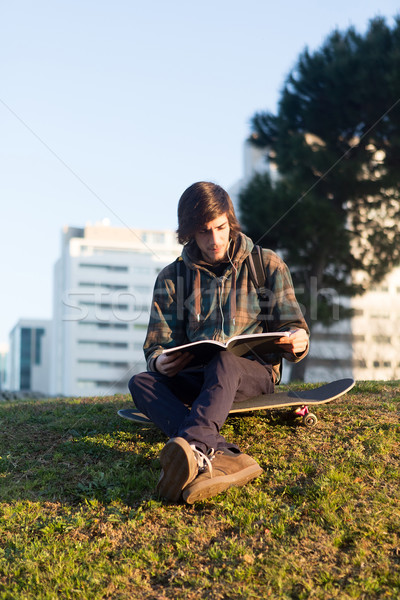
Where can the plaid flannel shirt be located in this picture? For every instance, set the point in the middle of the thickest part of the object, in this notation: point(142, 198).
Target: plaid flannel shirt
point(174, 319)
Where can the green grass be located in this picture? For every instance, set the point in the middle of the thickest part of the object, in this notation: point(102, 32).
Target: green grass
point(79, 519)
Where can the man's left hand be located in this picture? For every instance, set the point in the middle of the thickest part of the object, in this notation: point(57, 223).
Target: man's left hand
point(296, 343)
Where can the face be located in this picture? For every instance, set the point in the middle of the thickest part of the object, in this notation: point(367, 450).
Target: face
point(213, 239)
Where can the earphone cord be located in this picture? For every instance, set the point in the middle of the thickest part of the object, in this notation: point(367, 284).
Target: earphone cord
point(229, 258)
point(221, 310)
point(222, 285)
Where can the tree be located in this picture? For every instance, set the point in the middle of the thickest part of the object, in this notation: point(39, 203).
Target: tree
point(334, 211)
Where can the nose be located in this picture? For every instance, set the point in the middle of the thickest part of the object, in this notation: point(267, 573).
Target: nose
point(214, 237)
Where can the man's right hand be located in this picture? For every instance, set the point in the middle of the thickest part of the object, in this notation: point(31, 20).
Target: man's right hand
point(171, 364)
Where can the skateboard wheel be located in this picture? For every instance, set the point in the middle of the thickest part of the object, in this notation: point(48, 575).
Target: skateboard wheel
point(310, 420)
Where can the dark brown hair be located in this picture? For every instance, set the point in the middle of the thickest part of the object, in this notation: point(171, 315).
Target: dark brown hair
point(201, 203)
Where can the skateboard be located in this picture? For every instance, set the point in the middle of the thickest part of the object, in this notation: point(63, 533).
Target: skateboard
point(300, 400)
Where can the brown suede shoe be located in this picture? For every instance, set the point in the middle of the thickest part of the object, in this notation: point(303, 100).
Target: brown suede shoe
point(228, 468)
point(179, 467)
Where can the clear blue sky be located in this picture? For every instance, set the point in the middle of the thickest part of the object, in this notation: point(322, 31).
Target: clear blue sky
point(111, 109)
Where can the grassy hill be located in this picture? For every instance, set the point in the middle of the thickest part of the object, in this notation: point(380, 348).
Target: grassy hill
point(78, 517)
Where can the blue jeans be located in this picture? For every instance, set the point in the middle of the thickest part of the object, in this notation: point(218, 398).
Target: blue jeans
point(195, 403)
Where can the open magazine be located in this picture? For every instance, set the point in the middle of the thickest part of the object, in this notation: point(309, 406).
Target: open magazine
point(240, 345)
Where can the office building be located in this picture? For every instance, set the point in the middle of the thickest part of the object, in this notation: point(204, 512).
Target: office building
point(103, 285)
point(365, 346)
point(254, 162)
point(29, 356)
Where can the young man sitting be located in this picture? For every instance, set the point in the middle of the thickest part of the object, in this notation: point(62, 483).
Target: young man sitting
point(190, 404)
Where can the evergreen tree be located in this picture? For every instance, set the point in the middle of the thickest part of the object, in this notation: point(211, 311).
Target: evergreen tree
point(334, 211)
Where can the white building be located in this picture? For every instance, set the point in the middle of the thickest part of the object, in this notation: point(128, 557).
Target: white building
point(367, 345)
point(103, 285)
point(254, 161)
point(363, 347)
point(29, 356)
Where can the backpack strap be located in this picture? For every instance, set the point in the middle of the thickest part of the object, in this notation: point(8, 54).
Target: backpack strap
point(182, 273)
point(184, 283)
point(255, 265)
point(256, 270)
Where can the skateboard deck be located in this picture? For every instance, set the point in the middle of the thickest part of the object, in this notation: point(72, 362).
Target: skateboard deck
point(301, 399)
point(319, 395)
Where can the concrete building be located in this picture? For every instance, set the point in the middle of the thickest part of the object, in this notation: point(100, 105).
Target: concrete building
point(29, 356)
point(254, 161)
point(103, 285)
point(365, 346)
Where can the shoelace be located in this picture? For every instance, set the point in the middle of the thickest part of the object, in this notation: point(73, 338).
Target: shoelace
point(203, 460)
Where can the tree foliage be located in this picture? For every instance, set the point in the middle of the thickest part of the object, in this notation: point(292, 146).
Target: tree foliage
point(334, 210)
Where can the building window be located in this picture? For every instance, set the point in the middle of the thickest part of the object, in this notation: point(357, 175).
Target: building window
point(104, 363)
point(39, 333)
point(337, 337)
point(361, 363)
point(379, 288)
point(119, 268)
point(108, 250)
point(382, 339)
point(104, 305)
point(141, 308)
point(142, 270)
point(102, 325)
point(384, 363)
point(25, 366)
point(112, 385)
point(103, 344)
point(158, 238)
point(114, 287)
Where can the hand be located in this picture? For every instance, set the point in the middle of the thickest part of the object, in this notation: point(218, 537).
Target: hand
point(296, 343)
point(171, 364)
